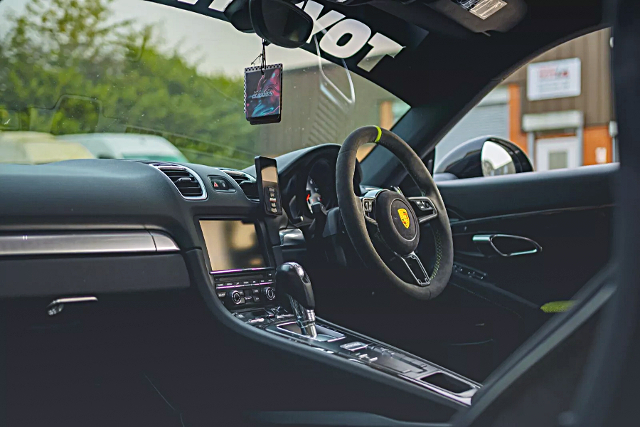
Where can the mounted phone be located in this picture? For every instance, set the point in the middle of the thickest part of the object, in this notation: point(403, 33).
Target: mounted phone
point(268, 188)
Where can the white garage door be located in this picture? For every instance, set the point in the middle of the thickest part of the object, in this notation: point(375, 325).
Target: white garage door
point(489, 117)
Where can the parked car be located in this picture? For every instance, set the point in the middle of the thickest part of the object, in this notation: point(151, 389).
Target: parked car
point(127, 146)
point(38, 147)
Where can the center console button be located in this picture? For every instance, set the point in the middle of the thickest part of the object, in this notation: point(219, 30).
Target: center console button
point(395, 364)
point(236, 297)
point(354, 346)
point(270, 293)
point(284, 316)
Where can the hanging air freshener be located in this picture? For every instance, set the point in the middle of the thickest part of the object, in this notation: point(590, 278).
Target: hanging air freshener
point(263, 91)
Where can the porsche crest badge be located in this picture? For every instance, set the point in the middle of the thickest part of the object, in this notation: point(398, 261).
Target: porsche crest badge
point(404, 217)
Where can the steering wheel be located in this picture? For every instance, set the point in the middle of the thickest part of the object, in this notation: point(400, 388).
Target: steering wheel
point(391, 217)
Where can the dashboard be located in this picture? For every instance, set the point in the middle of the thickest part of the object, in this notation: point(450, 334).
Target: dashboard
point(83, 230)
point(126, 223)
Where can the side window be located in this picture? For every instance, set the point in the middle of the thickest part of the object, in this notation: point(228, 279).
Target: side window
point(558, 108)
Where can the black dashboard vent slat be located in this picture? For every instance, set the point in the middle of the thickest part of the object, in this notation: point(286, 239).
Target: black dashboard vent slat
point(246, 182)
point(185, 180)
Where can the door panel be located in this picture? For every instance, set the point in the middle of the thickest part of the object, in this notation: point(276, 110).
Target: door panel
point(568, 213)
point(574, 244)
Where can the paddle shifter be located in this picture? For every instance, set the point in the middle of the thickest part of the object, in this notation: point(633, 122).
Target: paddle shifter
point(294, 281)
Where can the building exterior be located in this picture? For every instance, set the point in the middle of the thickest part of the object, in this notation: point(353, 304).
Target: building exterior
point(558, 108)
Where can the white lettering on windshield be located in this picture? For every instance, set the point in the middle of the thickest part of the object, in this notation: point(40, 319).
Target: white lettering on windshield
point(219, 5)
point(338, 28)
point(358, 32)
point(381, 45)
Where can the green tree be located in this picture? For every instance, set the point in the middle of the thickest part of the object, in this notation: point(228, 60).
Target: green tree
point(68, 67)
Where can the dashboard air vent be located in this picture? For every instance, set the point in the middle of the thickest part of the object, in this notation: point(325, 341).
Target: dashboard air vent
point(245, 181)
point(186, 181)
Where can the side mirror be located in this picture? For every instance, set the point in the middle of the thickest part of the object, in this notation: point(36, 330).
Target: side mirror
point(484, 156)
point(280, 22)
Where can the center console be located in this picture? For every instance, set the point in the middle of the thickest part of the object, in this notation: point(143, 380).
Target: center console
point(336, 341)
point(297, 322)
point(240, 276)
point(245, 288)
point(281, 301)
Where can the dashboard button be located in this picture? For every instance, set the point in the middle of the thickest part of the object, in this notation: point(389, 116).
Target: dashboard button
point(221, 184)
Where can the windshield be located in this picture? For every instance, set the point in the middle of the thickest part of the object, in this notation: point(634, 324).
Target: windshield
point(127, 79)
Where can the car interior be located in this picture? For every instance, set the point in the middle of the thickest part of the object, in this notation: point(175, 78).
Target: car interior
point(317, 287)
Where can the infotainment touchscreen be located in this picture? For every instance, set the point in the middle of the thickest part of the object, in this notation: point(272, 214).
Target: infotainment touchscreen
point(231, 245)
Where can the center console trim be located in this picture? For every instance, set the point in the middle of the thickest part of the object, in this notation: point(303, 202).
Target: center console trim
point(239, 270)
point(365, 351)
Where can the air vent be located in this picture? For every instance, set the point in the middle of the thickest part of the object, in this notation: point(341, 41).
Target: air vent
point(186, 181)
point(245, 181)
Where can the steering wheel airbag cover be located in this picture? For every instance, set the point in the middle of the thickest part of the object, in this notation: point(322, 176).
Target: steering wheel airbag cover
point(402, 236)
point(353, 217)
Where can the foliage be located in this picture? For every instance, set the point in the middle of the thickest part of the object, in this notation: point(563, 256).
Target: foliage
point(67, 67)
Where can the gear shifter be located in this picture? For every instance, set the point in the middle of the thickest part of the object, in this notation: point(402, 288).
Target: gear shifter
point(294, 281)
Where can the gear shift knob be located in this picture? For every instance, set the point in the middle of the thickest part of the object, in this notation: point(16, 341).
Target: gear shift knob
point(294, 281)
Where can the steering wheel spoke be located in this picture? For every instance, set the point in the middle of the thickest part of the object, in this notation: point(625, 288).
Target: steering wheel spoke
point(416, 268)
point(368, 202)
point(424, 208)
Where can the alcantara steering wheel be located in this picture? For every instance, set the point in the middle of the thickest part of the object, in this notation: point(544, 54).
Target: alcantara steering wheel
point(392, 217)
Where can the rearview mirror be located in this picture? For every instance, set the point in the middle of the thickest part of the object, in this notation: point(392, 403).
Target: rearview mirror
point(280, 22)
point(483, 156)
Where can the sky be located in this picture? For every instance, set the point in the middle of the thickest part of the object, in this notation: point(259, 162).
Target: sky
point(216, 45)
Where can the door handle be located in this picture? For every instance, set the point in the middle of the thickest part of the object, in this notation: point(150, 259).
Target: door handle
point(56, 306)
point(506, 245)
